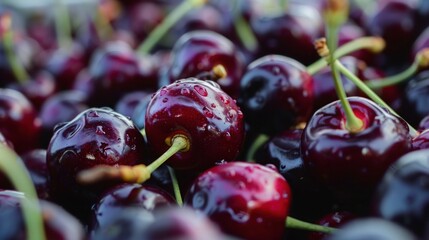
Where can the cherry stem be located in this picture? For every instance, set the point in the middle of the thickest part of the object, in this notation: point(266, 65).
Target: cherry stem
point(420, 61)
point(102, 24)
point(15, 171)
point(243, 29)
point(373, 44)
point(18, 69)
point(62, 25)
point(168, 22)
point(259, 141)
point(298, 224)
point(176, 187)
point(284, 5)
point(371, 94)
point(133, 174)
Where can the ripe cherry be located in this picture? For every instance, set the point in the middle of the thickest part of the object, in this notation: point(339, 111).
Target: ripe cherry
point(246, 200)
point(353, 163)
point(276, 93)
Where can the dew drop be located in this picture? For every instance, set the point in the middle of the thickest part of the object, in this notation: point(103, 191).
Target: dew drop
point(224, 99)
point(185, 91)
point(227, 136)
point(164, 100)
point(207, 112)
point(201, 90)
point(276, 70)
point(99, 130)
point(162, 92)
point(365, 151)
point(93, 114)
point(213, 105)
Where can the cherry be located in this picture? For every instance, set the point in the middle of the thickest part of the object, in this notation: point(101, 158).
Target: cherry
point(372, 228)
point(122, 196)
point(353, 163)
point(129, 102)
point(276, 93)
point(414, 107)
point(96, 136)
point(204, 114)
point(402, 196)
point(291, 33)
point(115, 70)
point(35, 162)
point(18, 120)
point(59, 108)
point(198, 52)
point(139, 114)
point(246, 200)
point(333, 219)
point(421, 141)
point(58, 223)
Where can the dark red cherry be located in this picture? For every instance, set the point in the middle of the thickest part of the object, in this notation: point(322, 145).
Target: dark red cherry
point(115, 70)
point(283, 151)
point(59, 224)
point(333, 219)
point(352, 164)
point(122, 196)
point(203, 113)
point(246, 200)
point(96, 136)
point(37, 90)
point(198, 52)
point(129, 102)
point(394, 21)
point(421, 141)
point(35, 163)
point(276, 93)
point(18, 120)
point(65, 65)
point(139, 114)
point(414, 98)
point(403, 195)
point(59, 108)
point(290, 34)
point(372, 228)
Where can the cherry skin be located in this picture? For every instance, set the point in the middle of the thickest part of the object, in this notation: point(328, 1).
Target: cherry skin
point(276, 93)
point(19, 122)
point(372, 228)
point(96, 136)
point(115, 70)
point(59, 108)
point(203, 113)
point(333, 219)
point(129, 102)
point(290, 34)
point(352, 164)
point(58, 223)
point(198, 52)
point(246, 200)
point(35, 162)
point(402, 196)
point(114, 200)
point(414, 98)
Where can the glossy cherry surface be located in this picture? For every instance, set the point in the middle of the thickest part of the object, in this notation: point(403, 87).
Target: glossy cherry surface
point(122, 196)
point(403, 196)
point(333, 219)
point(353, 163)
point(414, 98)
point(18, 120)
point(96, 136)
point(197, 52)
point(35, 162)
point(203, 113)
point(276, 93)
point(246, 200)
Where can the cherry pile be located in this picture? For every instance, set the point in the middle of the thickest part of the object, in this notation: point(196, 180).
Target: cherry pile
point(215, 119)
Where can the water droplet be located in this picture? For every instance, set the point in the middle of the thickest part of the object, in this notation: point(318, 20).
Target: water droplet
point(224, 99)
point(164, 100)
point(201, 90)
point(276, 70)
point(213, 105)
point(227, 136)
point(291, 102)
point(239, 114)
point(162, 92)
point(199, 201)
point(365, 151)
point(93, 114)
point(207, 112)
point(185, 91)
point(99, 130)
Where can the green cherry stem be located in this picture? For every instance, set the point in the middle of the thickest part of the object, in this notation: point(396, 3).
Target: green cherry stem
point(176, 187)
point(284, 4)
point(102, 25)
point(298, 224)
point(18, 69)
point(257, 143)
point(12, 167)
point(371, 94)
point(134, 174)
point(420, 61)
point(168, 22)
point(373, 44)
point(63, 25)
point(244, 31)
